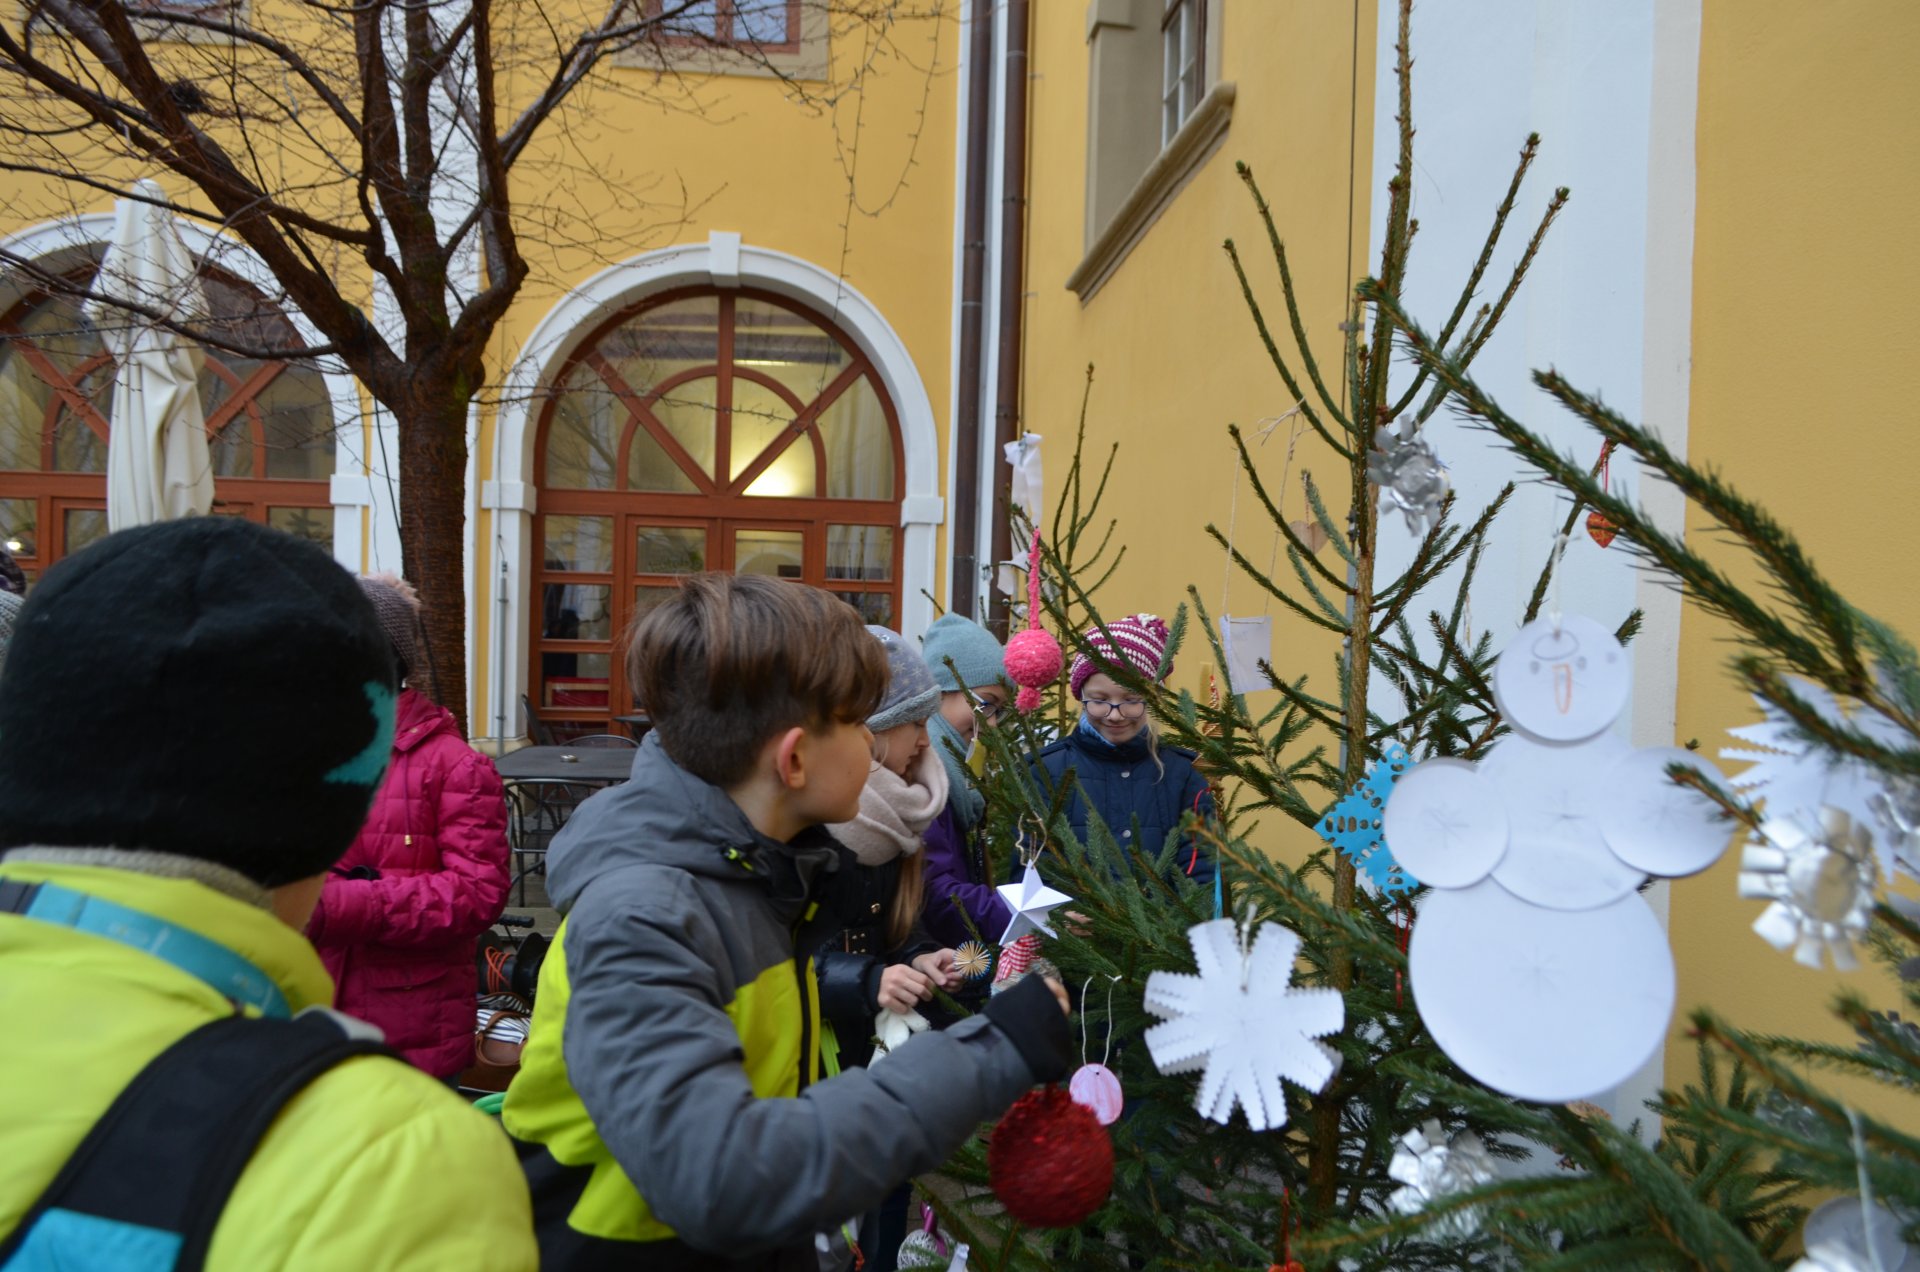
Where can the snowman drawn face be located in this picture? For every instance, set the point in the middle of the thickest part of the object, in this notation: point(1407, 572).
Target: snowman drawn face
point(1562, 683)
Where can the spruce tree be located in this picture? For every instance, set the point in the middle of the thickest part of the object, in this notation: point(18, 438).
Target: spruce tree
point(1191, 1193)
point(1742, 1150)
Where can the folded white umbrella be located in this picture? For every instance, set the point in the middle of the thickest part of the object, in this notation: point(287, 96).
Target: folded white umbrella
point(158, 467)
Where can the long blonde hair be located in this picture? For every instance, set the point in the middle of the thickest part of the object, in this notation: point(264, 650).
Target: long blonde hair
point(908, 895)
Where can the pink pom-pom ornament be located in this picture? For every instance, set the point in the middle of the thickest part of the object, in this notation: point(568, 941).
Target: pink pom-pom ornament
point(1034, 658)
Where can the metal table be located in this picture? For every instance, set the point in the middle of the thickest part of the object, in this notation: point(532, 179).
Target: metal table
point(590, 765)
point(637, 724)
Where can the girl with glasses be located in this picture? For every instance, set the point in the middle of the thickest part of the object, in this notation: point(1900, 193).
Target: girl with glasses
point(1140, 789)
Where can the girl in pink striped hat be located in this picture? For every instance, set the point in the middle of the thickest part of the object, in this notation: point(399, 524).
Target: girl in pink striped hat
point(1139, 788)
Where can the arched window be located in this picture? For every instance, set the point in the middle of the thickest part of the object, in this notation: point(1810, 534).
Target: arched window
point(704, 430)
point(270, 425)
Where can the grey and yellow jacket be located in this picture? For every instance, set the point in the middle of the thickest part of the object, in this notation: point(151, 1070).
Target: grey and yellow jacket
point(668, 1102)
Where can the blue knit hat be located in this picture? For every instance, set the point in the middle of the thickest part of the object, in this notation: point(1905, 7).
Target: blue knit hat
point(975, 654)
point(911, 694)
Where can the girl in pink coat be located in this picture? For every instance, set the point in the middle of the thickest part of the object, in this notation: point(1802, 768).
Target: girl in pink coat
point(397, 921)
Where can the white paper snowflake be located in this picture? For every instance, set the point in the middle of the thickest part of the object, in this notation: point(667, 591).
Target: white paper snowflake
point(1797, 779)
point(1242, 1020)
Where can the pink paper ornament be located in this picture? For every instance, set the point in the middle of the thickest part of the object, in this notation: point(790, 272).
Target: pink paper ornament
point(1034, 659)
point(1096, 1086)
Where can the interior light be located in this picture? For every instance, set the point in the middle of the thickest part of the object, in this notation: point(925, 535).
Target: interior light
point(13, 545)
point(788, 476)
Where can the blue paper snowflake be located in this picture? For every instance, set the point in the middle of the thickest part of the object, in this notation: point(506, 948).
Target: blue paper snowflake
point(1353, 824)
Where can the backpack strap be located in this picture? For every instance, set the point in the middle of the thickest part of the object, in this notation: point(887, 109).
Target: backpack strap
point(147, 1186)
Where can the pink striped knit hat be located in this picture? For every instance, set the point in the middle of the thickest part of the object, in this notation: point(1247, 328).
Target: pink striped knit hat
point(1143, 643)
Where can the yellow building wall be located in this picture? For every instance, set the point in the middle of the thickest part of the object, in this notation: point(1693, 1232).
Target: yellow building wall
point(649, 165)
point(854, 173)
point(1805, 243)
point(1177, 357)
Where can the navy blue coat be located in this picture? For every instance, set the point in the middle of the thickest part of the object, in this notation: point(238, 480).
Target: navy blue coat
point(1124, 784)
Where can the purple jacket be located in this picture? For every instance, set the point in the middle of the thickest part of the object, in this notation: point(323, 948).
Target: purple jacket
point(400, 945)
point(955, 877)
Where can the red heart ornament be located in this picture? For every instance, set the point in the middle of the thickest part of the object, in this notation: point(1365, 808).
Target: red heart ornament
point(1601, 528)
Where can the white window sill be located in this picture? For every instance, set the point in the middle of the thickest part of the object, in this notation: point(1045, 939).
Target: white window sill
point(1164, 178)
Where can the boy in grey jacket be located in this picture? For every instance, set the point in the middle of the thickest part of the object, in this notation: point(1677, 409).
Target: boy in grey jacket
point(669, 1103)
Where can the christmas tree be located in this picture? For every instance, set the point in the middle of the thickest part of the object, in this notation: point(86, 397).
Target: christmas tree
point(1396, 1158)
point(1191, 1192)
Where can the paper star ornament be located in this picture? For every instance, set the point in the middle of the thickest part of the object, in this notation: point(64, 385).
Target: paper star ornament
point(1029, 899)
point(1244, 1023)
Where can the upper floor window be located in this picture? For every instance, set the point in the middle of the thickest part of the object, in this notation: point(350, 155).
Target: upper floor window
point(760, 25)
point(1157, 111)
point(1183, 59)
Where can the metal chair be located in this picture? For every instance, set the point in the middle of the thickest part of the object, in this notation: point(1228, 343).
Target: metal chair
point(537, 729)
point(538, 809)
point(604, 741)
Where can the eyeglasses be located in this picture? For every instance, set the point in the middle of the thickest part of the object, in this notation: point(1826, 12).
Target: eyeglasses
point(1127, 708)
point(987, 707)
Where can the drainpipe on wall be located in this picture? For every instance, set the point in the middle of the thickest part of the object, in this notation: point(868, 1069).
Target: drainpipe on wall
point(973, 269)
point(1013, 226)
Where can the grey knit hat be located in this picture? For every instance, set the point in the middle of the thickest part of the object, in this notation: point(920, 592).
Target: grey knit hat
point(975, 654)
point(398, 607)
point(911, 694)
point(10, 603)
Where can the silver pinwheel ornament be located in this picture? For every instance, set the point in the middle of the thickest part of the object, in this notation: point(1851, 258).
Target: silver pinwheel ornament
point(1820, 878)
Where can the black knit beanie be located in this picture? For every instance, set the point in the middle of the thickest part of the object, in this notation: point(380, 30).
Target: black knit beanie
point(205, 687)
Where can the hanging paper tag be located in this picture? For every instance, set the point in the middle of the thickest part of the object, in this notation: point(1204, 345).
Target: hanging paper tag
point(1098, 1088)
point(1246, 643)
point(959, 1263)
point(1024, 455)
point(977, 758)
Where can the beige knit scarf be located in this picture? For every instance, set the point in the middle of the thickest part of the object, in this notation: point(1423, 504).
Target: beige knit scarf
point(895, 810)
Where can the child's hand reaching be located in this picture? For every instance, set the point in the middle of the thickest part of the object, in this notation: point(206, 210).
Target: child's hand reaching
point(938, 968)
point(901, 987)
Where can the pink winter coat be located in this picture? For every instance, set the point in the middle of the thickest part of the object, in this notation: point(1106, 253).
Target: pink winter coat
point(401, 946)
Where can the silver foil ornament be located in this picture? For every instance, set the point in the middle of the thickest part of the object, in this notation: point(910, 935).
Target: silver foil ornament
point(1820, 881)
point(1410, 476)
point(1433, 1168)
point(1898, 808)
point(1842, 1236)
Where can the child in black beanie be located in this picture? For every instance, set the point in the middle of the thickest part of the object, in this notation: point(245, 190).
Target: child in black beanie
point(193, 719)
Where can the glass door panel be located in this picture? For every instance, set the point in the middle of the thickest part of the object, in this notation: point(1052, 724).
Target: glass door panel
point(780, 554)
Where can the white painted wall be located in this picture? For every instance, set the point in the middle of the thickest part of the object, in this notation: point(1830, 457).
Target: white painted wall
point(1610, 86)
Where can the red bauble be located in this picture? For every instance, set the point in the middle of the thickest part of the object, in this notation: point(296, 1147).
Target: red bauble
point(1601, 528)
point(1050, 1160)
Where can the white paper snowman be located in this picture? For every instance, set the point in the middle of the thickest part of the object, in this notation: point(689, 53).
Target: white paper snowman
point(1534, 961)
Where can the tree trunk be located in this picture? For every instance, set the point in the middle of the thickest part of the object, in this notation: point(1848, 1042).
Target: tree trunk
point(432, 424)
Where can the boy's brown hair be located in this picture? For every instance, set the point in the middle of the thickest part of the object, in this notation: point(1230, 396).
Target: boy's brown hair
point(731, 660)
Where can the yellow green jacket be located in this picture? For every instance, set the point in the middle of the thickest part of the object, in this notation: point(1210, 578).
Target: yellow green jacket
point(669, 1094)
point(374, 1166)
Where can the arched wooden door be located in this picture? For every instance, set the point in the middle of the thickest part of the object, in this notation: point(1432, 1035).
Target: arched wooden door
point(703, 430)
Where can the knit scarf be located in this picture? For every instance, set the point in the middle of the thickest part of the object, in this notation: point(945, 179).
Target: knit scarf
point(895, 810)
point(967, 801)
